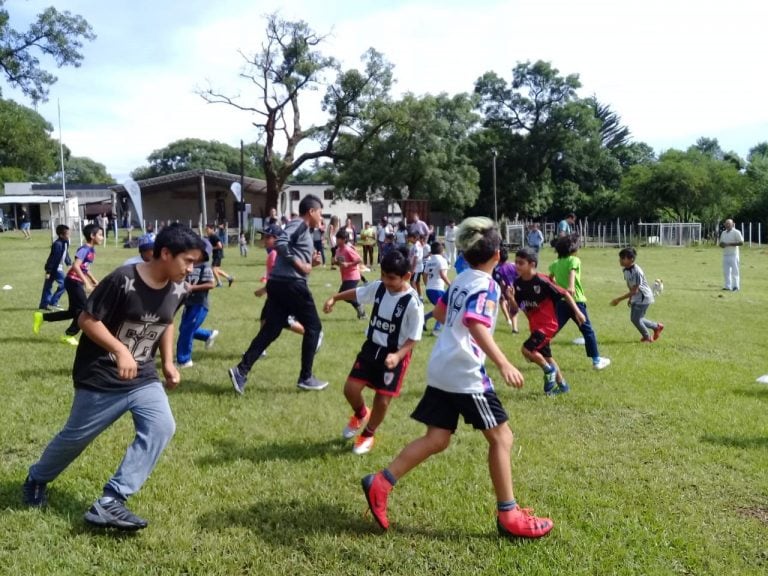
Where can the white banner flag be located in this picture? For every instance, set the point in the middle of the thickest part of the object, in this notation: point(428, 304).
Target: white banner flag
point(134, 193)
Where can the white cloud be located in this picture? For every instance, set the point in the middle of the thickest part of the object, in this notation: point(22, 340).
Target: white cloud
point(673, 70)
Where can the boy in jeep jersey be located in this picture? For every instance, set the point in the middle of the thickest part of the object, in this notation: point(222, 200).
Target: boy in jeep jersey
point(394, 328)
point(128, 317)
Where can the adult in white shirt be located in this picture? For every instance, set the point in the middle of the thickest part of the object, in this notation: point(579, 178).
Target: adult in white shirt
point(450, 242)
point(730, 240)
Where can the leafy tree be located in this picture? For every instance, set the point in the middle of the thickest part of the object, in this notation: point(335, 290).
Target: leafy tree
point(58, 35)
point(686, 186)
point(420, 154)
point(612, 134)
point(25, 143)
point(83, 170)
point(288, 66)
point(193, 153)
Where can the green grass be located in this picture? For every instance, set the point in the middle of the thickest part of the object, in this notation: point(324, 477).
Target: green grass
point(656, 465)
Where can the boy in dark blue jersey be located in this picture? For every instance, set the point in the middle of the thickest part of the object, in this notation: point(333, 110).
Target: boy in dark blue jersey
point(128, 317)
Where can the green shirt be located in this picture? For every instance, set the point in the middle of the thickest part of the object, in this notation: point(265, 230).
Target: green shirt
point(561, 268)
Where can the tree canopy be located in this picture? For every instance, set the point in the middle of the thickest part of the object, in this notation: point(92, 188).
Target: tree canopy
point(27, 151)
point(193, 153)
point(56, 35)
point(288, 65)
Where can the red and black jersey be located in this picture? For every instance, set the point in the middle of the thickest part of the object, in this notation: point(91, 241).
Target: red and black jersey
point(537, 298)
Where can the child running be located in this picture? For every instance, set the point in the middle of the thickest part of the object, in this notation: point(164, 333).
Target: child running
point(566, 273)
point(436, 271)
point(78, 277)
point(536, 295)
point(383, 360)
point(458, 385)
point(348, 261)
point(54, 269)
point(639, 297)
point(199, 282)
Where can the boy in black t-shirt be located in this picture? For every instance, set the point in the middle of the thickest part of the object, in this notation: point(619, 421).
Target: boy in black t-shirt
point(127, 318)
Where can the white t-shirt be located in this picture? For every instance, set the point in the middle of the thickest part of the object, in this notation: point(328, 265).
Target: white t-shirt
point(450, 234)
point(432, 269)
point(383, 231)
point(412, 318)
point(732, 235)
point(457, 362)
point(417, 257)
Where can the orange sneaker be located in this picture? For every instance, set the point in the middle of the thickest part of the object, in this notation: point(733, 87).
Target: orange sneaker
point(363, 445)
point(657, 331)
point(521, 523)
point(355, 425)
point(377, 489)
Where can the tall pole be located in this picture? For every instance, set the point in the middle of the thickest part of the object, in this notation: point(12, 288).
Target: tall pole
point(495, 206)
point(61, 159)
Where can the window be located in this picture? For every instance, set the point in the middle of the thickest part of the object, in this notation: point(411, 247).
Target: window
point(294, 195)
point(328, 194)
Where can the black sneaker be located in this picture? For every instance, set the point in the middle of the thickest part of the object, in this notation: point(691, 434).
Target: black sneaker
point(238, 380)
point(110, 512)
point(34, 493)
point(311, 383)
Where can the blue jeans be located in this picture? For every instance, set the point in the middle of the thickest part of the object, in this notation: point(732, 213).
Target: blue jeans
point(46, 299)
point(189, 329)
point(92, 413)
point(590, 338)
point(637, 315)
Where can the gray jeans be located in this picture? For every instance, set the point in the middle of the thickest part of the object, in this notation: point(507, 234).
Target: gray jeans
point(92, 413)
point(637, 315)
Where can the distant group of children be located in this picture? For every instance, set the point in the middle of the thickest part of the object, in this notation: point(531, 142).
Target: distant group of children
point(124, 324)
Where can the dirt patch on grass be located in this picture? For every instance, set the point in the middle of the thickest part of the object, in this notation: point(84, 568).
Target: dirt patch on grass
point(759, 512)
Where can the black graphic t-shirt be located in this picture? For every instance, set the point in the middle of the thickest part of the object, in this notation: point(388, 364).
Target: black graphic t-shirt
point(135, 314)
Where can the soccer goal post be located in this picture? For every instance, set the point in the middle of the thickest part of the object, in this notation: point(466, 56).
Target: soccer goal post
point(670, 233)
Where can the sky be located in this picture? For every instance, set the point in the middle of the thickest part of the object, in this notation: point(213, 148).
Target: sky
point(673, 70)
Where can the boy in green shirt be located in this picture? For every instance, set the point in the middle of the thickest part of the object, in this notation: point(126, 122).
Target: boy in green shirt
point(566, 273)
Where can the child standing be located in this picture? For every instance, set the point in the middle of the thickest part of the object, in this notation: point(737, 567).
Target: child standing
point(416, 255)
point(78, 276)
point(243, 245)
point(218, 254)
point(348, 261)
point(458, 385)
point(537, 296)
point(566, 273)
point(639, 297)
point(436, 271)
point(54, 269)
point(383, 360)
point(199, 282)
point(127, 319)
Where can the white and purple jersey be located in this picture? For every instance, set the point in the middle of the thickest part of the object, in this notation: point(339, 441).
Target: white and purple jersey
point(457, 363)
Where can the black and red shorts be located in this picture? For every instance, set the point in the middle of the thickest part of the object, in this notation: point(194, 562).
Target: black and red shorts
point(369, 369)
point(538, 342)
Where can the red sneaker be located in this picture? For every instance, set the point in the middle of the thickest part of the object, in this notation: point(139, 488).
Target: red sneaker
point(377, 489)
point(355, 425)
point(645, 340)
point(657, 331)
point(521, 523)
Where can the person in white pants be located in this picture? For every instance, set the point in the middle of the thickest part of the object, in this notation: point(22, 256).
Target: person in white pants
point(730, 240)
point(450, 242)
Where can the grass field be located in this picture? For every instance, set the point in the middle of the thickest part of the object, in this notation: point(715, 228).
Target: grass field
point(656, 465)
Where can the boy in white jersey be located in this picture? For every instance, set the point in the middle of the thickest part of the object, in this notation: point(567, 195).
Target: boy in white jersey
point(436, 271)
point(416, 255)
point(382, 363)
point(457, 385)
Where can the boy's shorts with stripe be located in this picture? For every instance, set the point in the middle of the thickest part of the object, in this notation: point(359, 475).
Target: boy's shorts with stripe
point(369, 369)
point(483, 410)
point(539, 342)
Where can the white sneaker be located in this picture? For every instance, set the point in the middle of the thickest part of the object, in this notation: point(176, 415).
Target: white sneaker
point(187, 364)
point(211, 339)
point(601, 363)
point(363, 445)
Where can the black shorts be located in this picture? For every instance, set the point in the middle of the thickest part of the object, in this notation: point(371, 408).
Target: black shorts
point(369, 369)
point(442, 409)
point(216, 262)
point(539, 342)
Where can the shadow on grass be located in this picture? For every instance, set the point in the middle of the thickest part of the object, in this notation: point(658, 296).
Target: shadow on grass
point(223, 387)
point(32, 373)
point(231, 450)
point(32, 339)
point(736, 442)
point(285, 523)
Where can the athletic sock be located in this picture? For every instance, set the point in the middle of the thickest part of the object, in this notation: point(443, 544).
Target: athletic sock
point(368, 432)
point(361, 412)
point(388, 475)
point(549, 369)
point(506, 506)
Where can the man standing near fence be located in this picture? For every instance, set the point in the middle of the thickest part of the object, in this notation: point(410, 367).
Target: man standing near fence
point(730, 240)
point(565, 226)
